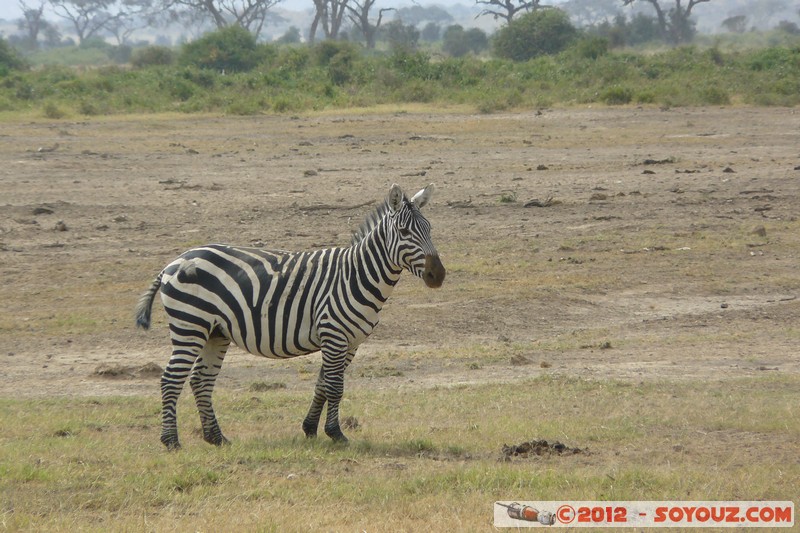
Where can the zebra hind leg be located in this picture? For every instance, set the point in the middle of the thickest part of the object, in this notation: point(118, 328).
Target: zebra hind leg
point(202, 380)
point(184, 354)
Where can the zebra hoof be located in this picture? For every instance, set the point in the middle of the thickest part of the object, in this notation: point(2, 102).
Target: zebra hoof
point(221, 441)
point(216, 438)
point(337, 436)
point(310, 429)
point(172, 444)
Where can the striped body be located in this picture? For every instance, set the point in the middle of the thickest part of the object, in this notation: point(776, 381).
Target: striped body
point(275, 303)
point(285, 304)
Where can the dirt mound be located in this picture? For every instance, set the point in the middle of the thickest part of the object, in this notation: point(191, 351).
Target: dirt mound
point(539, 447)
point(147, 370)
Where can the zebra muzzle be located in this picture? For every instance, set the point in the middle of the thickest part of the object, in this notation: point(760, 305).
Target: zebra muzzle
point(434, 272)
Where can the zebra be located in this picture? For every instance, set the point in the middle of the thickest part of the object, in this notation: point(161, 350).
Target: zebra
point(281, 304)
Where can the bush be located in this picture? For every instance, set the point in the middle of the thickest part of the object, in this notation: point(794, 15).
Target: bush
point(715, 96)
point(152, 55)
point(231, 49)
point(339, 57)
point(617, 95)
point(9, 58)
point(592, 47)
point(51, 110)
point(540, 32)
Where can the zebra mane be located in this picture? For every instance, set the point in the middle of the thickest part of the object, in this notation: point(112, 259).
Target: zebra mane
point(372, 220)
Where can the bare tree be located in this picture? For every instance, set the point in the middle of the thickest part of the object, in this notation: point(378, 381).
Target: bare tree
point(359, 16)
point(591, 12)
point(329, 14)
point(507, 9)
point(674, 23)
point(88, 17)
point(32, 23)
point(735, 24)
point(133, 15)
point(251, 15)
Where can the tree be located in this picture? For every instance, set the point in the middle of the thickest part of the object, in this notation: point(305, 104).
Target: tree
point(132, 15)
point(229, 49)
point(32, 24)
point(545, 31)
point(400, 36)
point(507, 9)
point(292, 36)
point(359, 16)
point(675, 24)
point(458, 43)
point(329, 14)
point(251, 15)
point(430, 33)
point(416, 14)
point(591, 12)
point(737, 24)
point(88, 17)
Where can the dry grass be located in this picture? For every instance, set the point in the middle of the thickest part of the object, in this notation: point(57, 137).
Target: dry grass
point(598, 324)
point(420, 460)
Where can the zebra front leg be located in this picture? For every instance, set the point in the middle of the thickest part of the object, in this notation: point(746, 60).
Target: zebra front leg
point(311, 421)
point(334, 390)
point(329, 388)
point(202, 380)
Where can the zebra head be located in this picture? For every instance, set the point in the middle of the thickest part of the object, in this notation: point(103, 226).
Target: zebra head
point(410, 232)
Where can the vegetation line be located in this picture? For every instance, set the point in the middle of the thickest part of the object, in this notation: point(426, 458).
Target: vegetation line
point(537, 60)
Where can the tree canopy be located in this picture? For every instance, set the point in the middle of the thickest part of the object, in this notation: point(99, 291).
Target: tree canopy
point(545, 31)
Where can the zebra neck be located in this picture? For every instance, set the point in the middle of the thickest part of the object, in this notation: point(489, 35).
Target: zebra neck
point(373, 264)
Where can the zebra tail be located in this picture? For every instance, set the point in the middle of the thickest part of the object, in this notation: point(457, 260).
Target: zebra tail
point(145, 305)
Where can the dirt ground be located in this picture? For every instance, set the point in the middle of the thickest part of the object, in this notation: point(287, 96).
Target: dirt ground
point(620, 243)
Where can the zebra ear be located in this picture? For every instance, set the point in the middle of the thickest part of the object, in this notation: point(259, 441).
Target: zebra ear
point(395, 199)
point(422, 197)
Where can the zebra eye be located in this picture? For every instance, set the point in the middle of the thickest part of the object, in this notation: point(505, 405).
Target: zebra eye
point(405, 232)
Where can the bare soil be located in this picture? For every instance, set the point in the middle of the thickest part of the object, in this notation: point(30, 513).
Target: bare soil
point(622, 243)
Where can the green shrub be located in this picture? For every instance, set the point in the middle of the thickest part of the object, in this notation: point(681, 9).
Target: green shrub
point(9, 58)
point(645, 97)
point(51, 110)
point(591, 47)
point(292, 60)
point(245, 107)
point(203, 78)
point(120, 54)
point(339, 58)
point(416, 91)
point(87, 107)
point(181, 89)
point(715, 96)
point(772, 58)
point(617, 95)
point(411, 65)
point(152, 55)
point(231, 49)
point(540, 32)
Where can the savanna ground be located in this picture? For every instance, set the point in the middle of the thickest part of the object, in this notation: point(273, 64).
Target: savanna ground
point(621, 280)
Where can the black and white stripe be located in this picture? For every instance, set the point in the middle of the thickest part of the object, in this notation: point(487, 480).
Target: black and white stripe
point(284, 304)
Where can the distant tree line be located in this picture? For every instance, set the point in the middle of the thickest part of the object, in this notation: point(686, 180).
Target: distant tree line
point(363, 21)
